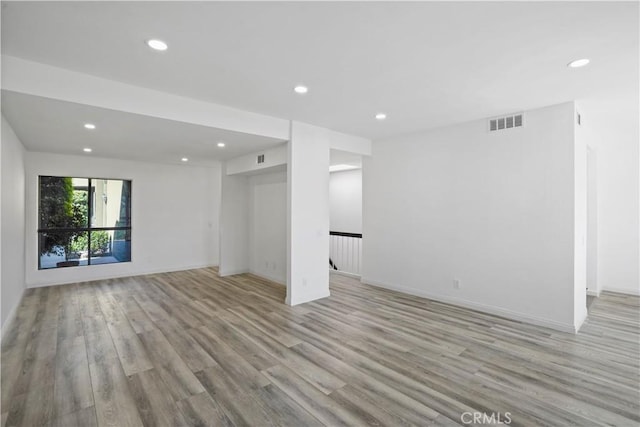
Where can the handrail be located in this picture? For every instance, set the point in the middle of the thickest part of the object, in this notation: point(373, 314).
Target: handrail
point(340, 233)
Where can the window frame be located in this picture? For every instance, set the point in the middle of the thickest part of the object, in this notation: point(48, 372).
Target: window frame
point(90, 211)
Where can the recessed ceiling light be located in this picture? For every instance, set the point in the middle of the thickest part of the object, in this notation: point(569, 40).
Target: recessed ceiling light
point(221, 144)
point(184, 159)
point(87, 150)
point(301, 89)
point(157, 44)
point(89, 126)
point(578, 63)
point(381, 116)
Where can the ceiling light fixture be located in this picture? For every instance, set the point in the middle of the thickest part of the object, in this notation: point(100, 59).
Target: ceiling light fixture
point(381, 116)
point(184, 159)
point(87, 150)
point(156, 44)
point(221, 144)
point(89, 126)
point(301, 89)
point(578, 63)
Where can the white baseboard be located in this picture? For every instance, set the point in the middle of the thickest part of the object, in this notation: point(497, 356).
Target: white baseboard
point(119, 275)
point(233, 272)
point(634, 292)
point(269, 277)
point(581, 322)
point(344, 273)
point(307, 298)
point(489, 309)
point(11, 317)
point(593, 293)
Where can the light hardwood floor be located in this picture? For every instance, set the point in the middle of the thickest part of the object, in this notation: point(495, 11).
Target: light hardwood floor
point(190, 348)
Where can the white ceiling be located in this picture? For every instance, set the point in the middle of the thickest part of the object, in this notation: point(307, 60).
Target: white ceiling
point(425, 64)
point(54, 126)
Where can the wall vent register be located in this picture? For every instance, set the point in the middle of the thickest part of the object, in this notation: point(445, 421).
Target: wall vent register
point(506, 122)
point(260, 158)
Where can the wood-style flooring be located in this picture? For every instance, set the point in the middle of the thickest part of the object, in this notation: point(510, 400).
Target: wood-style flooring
point(193, 349)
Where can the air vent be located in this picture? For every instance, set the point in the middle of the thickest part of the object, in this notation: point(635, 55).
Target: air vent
point(507, 122)
point(517, 120)
point(260, 158)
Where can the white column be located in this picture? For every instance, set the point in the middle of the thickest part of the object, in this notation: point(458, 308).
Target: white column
point(308, 213)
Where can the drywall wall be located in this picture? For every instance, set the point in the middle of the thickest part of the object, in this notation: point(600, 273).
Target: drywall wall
point(614, 132)
point(592, 222)
point(12, 219)
point(234, 225)
point(348, 143)
point(273, 158)
point(308, 213)
point(580, 224)
point(268, 226)
point(3, 123)
point(345, 201)
point(493, 211)
point(174, 215)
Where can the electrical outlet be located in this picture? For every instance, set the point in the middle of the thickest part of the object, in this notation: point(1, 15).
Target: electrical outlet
point(456, 284)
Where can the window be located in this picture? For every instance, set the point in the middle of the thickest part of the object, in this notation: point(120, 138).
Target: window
point(83, 221)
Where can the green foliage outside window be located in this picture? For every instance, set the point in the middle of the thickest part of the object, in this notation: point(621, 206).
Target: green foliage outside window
point(59, 208)
point(99, 243)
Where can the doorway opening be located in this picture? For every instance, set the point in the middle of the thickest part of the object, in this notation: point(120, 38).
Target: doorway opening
point(345, 199)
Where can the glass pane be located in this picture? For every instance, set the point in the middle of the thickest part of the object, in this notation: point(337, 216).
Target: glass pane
point(109, 246)
point(122, 245)
point(63, 249)
point(111, 203)
point(63, 202)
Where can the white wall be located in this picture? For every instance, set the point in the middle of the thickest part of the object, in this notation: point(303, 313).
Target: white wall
point(348, 143)
point(615, 133)
point(592, 222)
point(234, 225)
point(308, 213)
point(492, 210)
point(580, 225)
point(345, 201)
point(273, 158)
point(174, 216)
point(268, 226)
point(12, 218)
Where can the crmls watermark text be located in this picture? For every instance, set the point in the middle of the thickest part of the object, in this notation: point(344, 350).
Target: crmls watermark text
point(494, 418)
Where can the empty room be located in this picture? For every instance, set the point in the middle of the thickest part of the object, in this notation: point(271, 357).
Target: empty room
point(320, 213)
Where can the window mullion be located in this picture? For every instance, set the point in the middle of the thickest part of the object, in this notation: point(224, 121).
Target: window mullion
point(89, 216)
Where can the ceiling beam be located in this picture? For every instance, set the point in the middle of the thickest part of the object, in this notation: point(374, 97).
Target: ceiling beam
point(43, 80)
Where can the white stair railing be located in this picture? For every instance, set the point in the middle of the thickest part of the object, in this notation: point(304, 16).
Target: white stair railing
point(345, 252)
